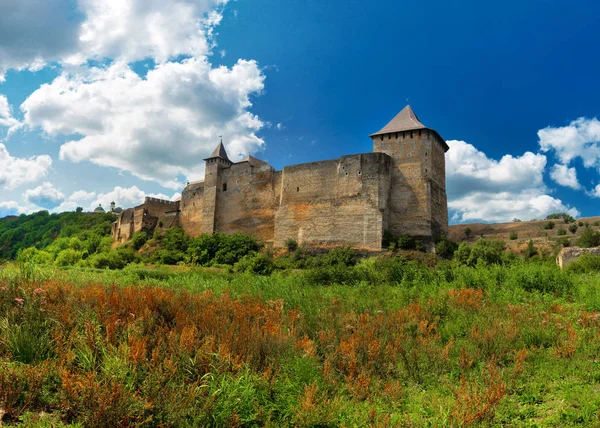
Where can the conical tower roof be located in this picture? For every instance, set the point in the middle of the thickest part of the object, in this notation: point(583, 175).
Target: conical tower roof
point(406, 120)
point(219, 152)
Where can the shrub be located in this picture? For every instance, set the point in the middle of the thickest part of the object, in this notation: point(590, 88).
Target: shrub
point(335, 274)
point(462, 253)
point(468, 231)
point(546, 278)
point(403, 242)
point(445, 248)
point(139, 239)
point(291, 244)
point(580, 224)
point(220, 248)
point(557, 216)
point(561, 231)
point(597, 223)
point(573, 228)
point(406, 242)
point(339, 256)
point(513, 236)
point(589, 238)
point(549, 225)
point(586, 263)
point(565, 242)
point(257, 263)
point(68, 257)
point(113, 259)
point(175, 239)
point(530, 251)
point(487, 250)
point(34, 255)
point(169, 257)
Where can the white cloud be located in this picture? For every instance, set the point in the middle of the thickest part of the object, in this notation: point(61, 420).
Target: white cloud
point(279, 126)
point(12, 208)
point(82, 195)
point(158, 127)
point(126, 197)
point(480, 188)
point(470, 170)
point(6, 118)
point(565, 176)
point(44, 196)
point(595, 192)
point(33, 32)
point(581, 138)
point(16, 171)
point(65, 206)
point(504, 206)
point(137, 29)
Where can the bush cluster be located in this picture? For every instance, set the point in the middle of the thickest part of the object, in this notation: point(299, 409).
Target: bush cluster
point(589, 238)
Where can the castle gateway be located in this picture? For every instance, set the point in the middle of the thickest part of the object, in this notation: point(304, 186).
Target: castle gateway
point(399, 188)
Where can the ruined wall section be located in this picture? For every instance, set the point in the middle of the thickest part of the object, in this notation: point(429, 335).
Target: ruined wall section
point(245, 200)
point(190, 217)
point(415, 178)
point(122, 229)
point(160, 213)
point(336, 202)
point(145, 217)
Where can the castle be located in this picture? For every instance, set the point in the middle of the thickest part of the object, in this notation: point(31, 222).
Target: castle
point(399, 188)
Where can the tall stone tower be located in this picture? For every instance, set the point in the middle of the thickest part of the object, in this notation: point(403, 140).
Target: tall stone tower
point(215, 163)
point(417, 203)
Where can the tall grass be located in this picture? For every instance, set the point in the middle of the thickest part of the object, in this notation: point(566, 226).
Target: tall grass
point(379, 343)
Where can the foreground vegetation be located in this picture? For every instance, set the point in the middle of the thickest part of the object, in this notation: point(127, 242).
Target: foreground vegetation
point(374, 342)
point(169, 330)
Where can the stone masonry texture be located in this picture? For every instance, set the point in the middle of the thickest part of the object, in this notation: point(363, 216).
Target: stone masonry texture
point(399, 188)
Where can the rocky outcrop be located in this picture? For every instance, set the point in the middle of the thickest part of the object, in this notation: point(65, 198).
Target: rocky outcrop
point(570, 254)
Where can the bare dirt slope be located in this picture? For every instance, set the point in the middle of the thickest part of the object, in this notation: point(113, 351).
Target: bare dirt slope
point(537, 230)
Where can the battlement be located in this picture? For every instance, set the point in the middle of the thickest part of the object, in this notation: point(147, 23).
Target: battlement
point(160, 201)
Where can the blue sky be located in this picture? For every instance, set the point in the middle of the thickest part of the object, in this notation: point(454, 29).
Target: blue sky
point(118, 99)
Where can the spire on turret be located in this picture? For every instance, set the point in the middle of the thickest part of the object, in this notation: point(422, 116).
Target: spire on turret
point(406, 120)
point(219, 152)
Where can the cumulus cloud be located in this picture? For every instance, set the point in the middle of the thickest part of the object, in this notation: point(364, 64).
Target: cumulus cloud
point(565, 176)
point(44, 196)
point(6, 118)
point(581, 138)
point(138, 29)
point(504, 206)
point(156, 127)
point(470, 170)
point(82, 195)
point(12, 208)
point(480, 188)
point(33, 32)
point(16, 171)
point(595, 192)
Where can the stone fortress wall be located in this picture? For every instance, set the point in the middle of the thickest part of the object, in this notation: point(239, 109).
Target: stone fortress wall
point(400, 187)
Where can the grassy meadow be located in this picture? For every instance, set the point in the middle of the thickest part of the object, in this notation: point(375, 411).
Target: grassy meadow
point(379, 342)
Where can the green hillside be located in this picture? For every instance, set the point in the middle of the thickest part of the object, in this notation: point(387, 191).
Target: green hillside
point(41, 229)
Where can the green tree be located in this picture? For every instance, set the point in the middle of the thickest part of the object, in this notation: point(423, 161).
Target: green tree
point(589, 238)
